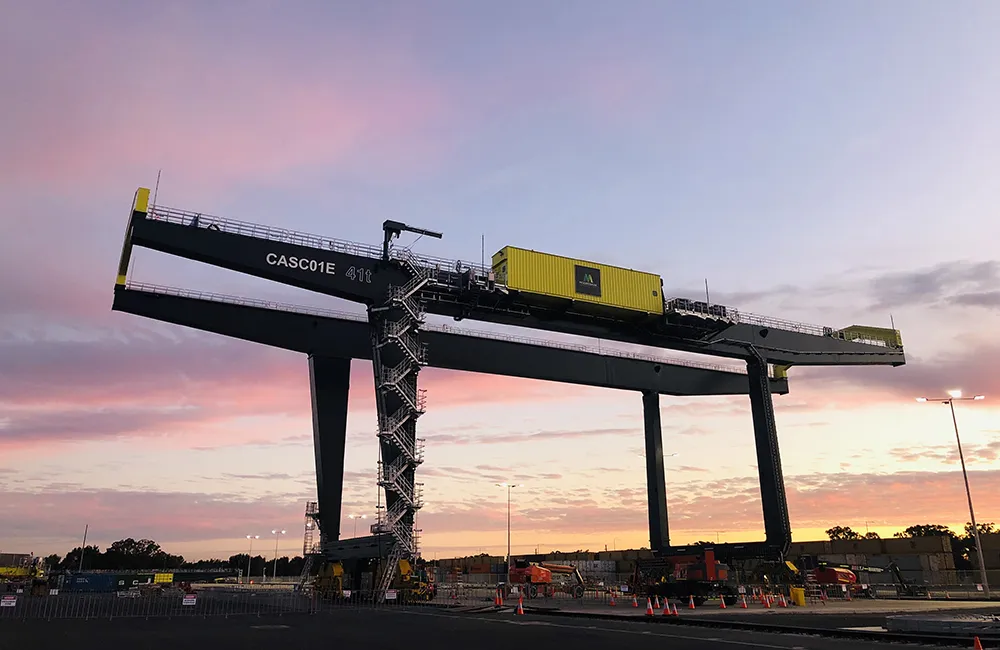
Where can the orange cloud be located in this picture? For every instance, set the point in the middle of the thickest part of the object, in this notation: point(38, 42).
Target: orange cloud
point(581, 515)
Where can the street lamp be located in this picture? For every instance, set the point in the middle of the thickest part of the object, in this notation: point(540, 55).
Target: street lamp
point(276, 533)
point(250, 553)
point(509, 487)
point(954, 395)
point(355, 518)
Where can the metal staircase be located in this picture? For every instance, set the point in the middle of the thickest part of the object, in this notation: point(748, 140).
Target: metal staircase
point(310, 548)
point(397, 357)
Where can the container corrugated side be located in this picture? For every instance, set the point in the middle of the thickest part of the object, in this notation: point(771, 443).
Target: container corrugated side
point(532, 272)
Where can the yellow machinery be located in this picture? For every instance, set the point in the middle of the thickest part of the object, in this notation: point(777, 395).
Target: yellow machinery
point(410, 583)
point(592, 287)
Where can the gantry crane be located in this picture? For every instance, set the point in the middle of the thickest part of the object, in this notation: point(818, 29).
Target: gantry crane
point(399, 287)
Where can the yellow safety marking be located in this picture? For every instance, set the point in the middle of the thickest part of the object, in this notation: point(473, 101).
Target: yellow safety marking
point(141, 202)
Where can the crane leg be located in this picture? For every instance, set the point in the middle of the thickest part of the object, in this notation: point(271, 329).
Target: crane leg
point(656, 487)
point(777, 528)
point(329, 384)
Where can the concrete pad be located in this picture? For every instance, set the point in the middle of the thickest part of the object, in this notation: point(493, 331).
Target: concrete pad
point(985, 626)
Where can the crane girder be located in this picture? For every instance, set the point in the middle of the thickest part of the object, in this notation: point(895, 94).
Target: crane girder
point(359, 273)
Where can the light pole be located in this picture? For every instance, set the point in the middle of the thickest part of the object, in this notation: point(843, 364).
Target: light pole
point(250, 554)
point(355, 518)
point(509, 487)
point(950, 401)
point(276, 533)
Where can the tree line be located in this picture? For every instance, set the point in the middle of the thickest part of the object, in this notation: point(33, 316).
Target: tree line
point(145, 554)
point(962, 546)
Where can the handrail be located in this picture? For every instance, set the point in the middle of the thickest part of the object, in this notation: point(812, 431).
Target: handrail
point(285, 235)
point(445, 329)
point(288, 236)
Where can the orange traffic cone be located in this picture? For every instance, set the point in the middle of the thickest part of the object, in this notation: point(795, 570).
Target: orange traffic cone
point(722, 602)
point(976, 645)
point(635, 601)
point(496, 598)
point(656, 602)
point(690, 602)
point(666, 608)
point(612, 602)
point(520, 606)
point(743, 602)
point(784, 603)
point(649, 607)
point(676, 613)
point(767, 603)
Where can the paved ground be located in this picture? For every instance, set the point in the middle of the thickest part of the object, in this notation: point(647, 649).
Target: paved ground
point(832, 615)
point(396, 630)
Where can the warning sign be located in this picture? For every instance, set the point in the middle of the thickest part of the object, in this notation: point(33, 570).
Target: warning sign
point(8, 601)
point(189, 599)
point(347, 593)
point(390, 595)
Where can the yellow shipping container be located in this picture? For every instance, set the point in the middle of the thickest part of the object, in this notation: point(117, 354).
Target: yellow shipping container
point(543, 274)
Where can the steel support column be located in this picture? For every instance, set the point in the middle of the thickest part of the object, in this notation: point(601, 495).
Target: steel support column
point(656, 485)
point(329, 384)
point(777, 528)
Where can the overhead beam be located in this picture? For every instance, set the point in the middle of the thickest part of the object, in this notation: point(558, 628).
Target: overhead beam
point(357, 273)
point(351, 339)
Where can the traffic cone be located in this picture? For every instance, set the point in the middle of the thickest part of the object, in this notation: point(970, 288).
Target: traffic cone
point(976, 645)
point(496, 598)
point(656, 602)
point(635, 601)
point(690, 602)
point(784, 603)
point(520, 606)
point(612, 602)
point(676, 613)
point(666, 608)
point(743, 602)
point(767, 603)
point(649, 607)
point(722, 602)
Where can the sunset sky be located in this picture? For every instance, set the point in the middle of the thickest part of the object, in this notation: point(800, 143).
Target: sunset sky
point(832, 163)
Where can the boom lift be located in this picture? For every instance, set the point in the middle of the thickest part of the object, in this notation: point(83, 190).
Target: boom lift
point(536, 579)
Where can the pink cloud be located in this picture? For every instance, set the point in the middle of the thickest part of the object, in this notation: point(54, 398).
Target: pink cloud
point(184, 389)
point(211, 109)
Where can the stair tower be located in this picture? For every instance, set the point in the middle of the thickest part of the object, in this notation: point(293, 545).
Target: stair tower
point(397, 357)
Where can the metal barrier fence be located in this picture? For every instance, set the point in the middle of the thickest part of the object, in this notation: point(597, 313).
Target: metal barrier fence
point(208, 602)
point(278, 599)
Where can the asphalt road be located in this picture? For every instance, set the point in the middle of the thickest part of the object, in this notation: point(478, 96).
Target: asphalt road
point(395, 630)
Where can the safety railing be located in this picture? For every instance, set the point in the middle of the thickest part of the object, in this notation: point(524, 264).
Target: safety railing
point(406, 255)
point(445, 329)
point(463, 591)
point(746, 318)
point(299, 238)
